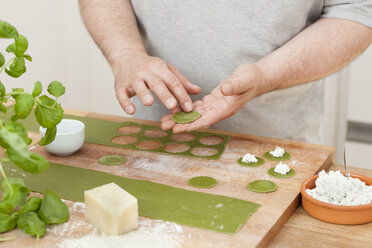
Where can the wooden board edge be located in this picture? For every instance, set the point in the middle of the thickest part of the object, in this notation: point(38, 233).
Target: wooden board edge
point(275, 229)
point(155, 123)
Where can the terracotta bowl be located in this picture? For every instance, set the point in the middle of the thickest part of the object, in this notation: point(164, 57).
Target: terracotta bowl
point(349, 215)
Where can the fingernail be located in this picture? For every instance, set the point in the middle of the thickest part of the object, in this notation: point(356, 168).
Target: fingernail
point(147, 99)
point(188, 106)
point(170, 103)
point(129, 109)
point(226, 88)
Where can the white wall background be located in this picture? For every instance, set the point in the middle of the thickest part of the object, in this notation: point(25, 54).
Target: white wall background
point(63, 50)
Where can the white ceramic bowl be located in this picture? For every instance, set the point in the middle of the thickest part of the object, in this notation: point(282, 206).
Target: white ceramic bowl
point(69, 138)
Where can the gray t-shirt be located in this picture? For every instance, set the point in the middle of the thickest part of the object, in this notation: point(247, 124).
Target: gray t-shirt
point(207, 39)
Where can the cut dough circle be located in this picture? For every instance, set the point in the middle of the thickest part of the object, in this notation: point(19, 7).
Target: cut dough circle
point(184, 117)
point(112, 160)
point(256, 164)
point(262, 186)
point(286, 156)
point(202, 182)
point(272, 173)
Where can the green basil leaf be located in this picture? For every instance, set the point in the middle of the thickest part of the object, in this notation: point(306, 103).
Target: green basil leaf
point(21, 45)
point(28, 57)
point(18, 128)
point(11, 48)
point(37, 89)
point(30, 223)
point(24, 104)
point(52, 209)
point(8, 222)
point(7, 30)
point(2, 89)
point(47, 112)
point(56, 89)
point(13, 194)
point(49, 136)
point(2, 59)
point(17, 68)
point(17, 151)
point(32, 204)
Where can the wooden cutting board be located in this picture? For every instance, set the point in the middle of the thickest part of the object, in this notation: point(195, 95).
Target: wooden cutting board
point(260, 229)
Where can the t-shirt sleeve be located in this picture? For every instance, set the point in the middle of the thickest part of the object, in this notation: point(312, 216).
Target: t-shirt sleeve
point(353, 10)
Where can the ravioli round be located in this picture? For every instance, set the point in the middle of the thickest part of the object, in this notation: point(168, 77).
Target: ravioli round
point(285, 156)
point(185, 117)
point(202, 182)
point(272, 173)
point(256, 164)
point(262, 186)
point(112, 160)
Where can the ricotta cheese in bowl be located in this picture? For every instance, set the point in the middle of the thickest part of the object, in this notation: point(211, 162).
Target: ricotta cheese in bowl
point(333, 198)
point(335, 188)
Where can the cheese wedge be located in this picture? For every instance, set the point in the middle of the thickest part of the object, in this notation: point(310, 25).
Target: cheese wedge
point(111, 209)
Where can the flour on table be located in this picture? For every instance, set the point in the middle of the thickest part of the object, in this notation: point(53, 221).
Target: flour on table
point(249, 158)
point(149, 234)
point(282, 168)
point(336, 189)
point(278, 152)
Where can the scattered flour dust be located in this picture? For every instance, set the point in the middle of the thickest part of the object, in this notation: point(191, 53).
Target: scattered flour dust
point(149, 234)
point(336, 189)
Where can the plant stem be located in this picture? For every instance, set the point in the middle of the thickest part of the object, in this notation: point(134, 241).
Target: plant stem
point(4, 176)
point(6, 239)
point(4, 66)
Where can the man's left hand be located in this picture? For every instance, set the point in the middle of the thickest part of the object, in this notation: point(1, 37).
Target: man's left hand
point(224, 101)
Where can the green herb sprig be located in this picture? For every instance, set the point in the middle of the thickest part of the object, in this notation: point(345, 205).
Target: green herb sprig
point(15, 210)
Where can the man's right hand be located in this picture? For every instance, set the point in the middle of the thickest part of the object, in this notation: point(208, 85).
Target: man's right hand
point(139, 72)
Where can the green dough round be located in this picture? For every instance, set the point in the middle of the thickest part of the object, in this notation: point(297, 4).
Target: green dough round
point(272, 173)
point(256, 164)
point(184, 117)
point(286, 156)
point(112, 160)
point(202, 182)
point(262, 186)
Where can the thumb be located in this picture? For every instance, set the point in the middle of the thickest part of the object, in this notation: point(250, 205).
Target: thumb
point(233, 86)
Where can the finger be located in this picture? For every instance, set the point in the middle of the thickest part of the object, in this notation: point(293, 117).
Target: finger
point(189, 87)
point(167, 125)
point(142, 92)
point(124, 101)
point(175, 86)
point(234, 86)
point(160, 90)
point(166, 118)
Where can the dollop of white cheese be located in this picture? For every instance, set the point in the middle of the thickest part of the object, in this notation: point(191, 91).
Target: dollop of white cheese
point(282, 168)
point(249, 158)
point(278, 152)
point(335, 188)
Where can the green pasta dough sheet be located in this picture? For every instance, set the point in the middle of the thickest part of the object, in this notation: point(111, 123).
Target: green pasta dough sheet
point(102, 132)
point(213, 212)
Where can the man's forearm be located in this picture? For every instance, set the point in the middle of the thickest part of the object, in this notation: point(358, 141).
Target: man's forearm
point(319, 50)
point(113, 27)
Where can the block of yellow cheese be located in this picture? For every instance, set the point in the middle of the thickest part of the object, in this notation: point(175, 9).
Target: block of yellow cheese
point(111, 209)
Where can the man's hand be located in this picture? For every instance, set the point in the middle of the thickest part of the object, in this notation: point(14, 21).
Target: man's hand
point(140, 72)
point(224, 101)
